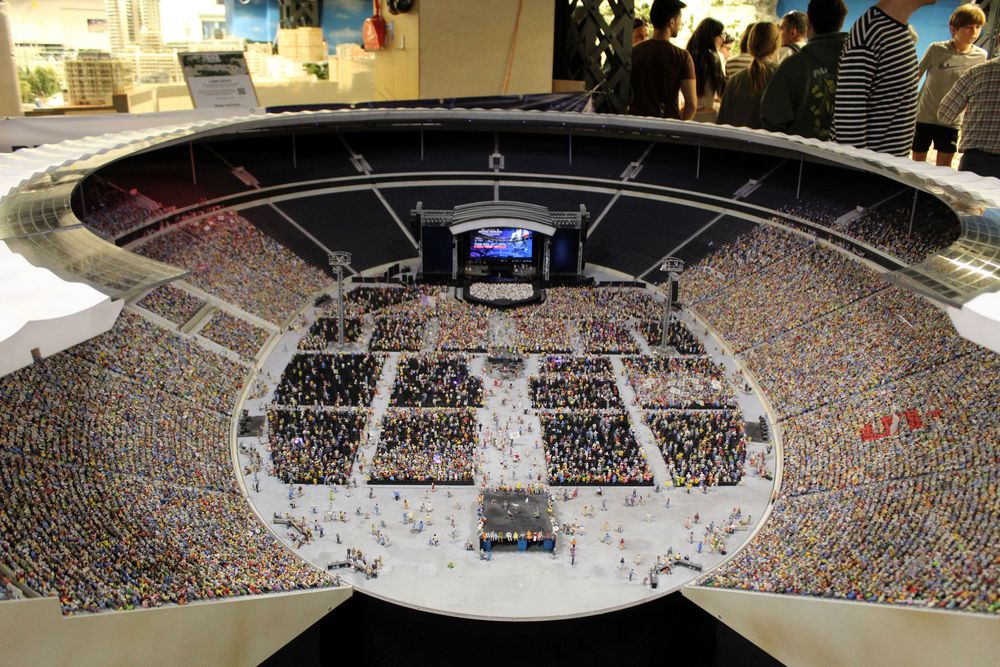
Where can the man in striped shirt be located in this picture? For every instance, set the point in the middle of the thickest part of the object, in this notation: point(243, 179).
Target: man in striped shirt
point(876, 104)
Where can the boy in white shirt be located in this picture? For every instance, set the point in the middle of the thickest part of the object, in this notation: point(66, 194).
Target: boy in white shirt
point(944, 64)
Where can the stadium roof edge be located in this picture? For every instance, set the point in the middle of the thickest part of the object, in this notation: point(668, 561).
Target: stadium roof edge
point(967, 269)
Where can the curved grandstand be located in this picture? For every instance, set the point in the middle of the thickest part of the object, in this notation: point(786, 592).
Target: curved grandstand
point(826, 273)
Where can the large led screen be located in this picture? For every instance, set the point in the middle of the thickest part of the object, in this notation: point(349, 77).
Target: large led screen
point(501, 243)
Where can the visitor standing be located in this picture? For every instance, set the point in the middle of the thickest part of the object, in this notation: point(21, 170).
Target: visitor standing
point(978, 93)
point(710, 78)
point(660, 70)
point(741, 101)
point(794, 32)
point(800, 98)
point(741, 60)
point(945, 63)
point(876, 102)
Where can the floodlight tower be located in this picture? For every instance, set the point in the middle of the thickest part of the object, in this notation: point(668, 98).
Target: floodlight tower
point(672, 266)
point(339, 260)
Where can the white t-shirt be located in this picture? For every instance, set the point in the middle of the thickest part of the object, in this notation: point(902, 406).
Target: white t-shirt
point(944, 66)
point(786, 51)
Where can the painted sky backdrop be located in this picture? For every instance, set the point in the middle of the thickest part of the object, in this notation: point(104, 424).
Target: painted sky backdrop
point(258, 19)
point(930, 22)
point(341, 19)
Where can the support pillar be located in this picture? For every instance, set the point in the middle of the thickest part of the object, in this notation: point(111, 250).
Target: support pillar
point(672, 266)
point(339, 260)
point(545, 258)
point(579, 256)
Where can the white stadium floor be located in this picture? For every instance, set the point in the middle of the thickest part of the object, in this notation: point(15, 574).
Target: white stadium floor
point(449, 579)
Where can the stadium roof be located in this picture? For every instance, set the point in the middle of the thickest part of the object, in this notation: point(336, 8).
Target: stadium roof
point(83, 274)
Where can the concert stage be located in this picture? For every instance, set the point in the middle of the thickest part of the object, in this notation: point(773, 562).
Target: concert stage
point(516, 517)
point(515, 241)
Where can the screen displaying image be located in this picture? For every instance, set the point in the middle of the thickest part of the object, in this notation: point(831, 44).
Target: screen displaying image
point(501, 243)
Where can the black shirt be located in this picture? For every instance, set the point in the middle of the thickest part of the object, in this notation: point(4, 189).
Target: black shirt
point(658, 67)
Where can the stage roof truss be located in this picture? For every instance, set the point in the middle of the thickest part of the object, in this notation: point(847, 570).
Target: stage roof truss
point(479, 215)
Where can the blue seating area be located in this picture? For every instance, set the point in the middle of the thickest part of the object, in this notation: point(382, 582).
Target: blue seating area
point(167, 179)
point(726, 231)
point(721, 172)
point(637, 233)
point(272, 223)
point(390, 152)
point(824, 185)
point(594, 157)
point(634, 235)
point(272, 159)
point(353, 221)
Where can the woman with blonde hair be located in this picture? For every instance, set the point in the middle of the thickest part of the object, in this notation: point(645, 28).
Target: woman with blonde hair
point(741, 101)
